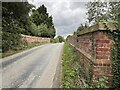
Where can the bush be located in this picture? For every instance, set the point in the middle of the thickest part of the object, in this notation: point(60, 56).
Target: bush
point(10, 41)
point(57, 39)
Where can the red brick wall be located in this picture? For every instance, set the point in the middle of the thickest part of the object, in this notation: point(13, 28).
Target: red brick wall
point(102, 63)
point(84, 43)
point(33, 39)
point(94, 47)
point(73, 40)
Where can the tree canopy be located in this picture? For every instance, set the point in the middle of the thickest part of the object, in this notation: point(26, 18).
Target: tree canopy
point(107, 11)
point(44, 22)
point(14, 22)
point(58, 39)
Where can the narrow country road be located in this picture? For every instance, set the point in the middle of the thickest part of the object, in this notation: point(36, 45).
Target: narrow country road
point(34, 68)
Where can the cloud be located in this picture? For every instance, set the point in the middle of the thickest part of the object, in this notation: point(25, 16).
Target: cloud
point(67, 15)
point(77, 5)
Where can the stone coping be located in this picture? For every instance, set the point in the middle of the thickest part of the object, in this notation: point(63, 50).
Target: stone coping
point(101, 26)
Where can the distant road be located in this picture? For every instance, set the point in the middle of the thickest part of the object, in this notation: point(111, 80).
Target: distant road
point(34, 68)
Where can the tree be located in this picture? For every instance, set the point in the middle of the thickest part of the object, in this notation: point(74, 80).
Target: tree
point(96, 11)
point(61, 39)
point(57, 39)
point(14, 22)
point(41, 17)
point(114, 10)
point(42, 10)
point(43, 30)
point(52, 32)
point(49, 22)
point(34, 30)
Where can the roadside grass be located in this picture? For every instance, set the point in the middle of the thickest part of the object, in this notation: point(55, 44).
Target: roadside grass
point(19, 49)
point(73, 74)
point(70, 67)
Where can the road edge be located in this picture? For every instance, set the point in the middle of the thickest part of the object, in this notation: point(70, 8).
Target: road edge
point(57, 80)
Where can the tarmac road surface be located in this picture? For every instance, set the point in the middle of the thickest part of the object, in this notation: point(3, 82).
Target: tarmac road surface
point(33, 68)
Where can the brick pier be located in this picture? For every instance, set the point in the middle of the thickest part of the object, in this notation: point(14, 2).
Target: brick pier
point(94, 45)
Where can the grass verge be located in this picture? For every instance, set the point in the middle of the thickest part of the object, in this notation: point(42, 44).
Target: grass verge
point(72, 72)
point(70, 67)
point(11, 52)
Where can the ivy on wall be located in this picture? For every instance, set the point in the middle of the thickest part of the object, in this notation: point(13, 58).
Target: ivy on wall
point(115, 56)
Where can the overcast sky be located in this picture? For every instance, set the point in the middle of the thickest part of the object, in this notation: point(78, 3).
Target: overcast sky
point(67, 15)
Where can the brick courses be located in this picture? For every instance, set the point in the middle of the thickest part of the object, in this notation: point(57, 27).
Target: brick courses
point(96, 49)
point(33, 39)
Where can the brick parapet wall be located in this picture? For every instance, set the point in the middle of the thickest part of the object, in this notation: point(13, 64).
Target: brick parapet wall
point(102, 48)
point(95, 46)
point(33, 39)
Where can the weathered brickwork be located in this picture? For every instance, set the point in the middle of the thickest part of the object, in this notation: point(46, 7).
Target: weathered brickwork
point(95, 47)
point(102, 63)
point(33, 39)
